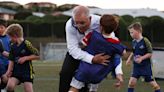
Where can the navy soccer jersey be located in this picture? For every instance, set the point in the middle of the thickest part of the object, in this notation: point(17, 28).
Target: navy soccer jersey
point(24, 70)
point(95, 73)
point(141, 48)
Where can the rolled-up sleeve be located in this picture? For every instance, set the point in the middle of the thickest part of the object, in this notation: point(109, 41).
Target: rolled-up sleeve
point(73, 44)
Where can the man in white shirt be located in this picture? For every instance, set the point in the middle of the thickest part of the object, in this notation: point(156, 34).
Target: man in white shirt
point(76, 28)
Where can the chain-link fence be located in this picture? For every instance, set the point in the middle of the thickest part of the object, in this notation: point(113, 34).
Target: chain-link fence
point(53, 51)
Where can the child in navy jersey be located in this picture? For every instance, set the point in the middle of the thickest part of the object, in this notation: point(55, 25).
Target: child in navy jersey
point(142, 52)
point(22, 53)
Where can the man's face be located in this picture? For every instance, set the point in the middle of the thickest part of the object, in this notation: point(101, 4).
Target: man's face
point(82, 22)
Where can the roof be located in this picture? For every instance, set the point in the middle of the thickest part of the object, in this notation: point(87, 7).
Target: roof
point(120, 12)
point(8, 11)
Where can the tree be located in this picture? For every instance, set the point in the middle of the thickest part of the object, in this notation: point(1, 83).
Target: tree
point(22, 15)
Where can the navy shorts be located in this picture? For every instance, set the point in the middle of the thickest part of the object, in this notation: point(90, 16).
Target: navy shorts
point(3, 69)
point(148, 78)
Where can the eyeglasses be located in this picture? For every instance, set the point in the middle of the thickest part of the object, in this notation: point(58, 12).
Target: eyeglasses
point(78, 24)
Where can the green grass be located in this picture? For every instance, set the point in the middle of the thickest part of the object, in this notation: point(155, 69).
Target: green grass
point(47, 79)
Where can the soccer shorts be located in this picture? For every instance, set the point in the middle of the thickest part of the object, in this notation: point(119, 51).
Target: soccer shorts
point(78, 85)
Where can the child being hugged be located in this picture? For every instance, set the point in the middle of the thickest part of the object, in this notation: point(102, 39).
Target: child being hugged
point(95, 43)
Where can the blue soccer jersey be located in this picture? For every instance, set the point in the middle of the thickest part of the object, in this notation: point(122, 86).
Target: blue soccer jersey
point(95, 73)
point(6, 44)
point(4, 60)
point(141, 48)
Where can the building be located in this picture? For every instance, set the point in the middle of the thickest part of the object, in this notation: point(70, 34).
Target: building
point(10, 3)
point(7, 14)
point(40, 4)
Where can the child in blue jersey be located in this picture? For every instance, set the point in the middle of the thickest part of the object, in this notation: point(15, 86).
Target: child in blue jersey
point(22, 53)
point(4, 52)
point(142, 53)
point(94, 42)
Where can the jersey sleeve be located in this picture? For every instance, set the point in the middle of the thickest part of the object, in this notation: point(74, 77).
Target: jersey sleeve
point(11, 54)
point(119, 48)
point(148, 45)
point(85, 40)
point(32, 49)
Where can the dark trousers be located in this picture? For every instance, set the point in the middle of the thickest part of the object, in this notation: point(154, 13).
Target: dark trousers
point(67, 72)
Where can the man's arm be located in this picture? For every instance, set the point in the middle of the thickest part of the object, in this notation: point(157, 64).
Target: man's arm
point(73, 44)
point(76, 52)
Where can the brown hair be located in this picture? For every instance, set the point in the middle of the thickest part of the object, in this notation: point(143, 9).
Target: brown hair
point(15, 29)
point(3, 22)
point(108, 23)
point(136, 26)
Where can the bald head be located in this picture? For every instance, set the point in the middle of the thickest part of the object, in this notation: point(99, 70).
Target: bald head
point(80, 11)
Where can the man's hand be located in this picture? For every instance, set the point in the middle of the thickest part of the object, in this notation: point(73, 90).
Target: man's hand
point(101, 59)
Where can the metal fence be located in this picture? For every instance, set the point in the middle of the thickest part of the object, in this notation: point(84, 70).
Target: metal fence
point(53, 51)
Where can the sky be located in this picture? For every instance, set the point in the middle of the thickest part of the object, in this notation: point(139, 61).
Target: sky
point(106, 4)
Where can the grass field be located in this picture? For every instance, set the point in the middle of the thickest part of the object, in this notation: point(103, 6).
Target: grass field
point(47, 79)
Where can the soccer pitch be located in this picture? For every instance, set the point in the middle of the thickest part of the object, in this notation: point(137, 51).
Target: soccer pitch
point(47, 79)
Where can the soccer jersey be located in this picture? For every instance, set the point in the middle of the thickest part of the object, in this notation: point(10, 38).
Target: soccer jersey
point(6, 44)
point(24, 49)
point(141, 48)
point(95, 73)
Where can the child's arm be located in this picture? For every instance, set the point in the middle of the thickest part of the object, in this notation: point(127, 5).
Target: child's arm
point(129, 59)
point(27, 58)
point(34, 53)
point(10, 68)
point(139, 59)
point(5, 53)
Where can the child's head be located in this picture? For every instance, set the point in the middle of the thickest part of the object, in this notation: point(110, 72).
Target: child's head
point(108, 23)
point(15, 31)
point(135, 30)
point(2, 26)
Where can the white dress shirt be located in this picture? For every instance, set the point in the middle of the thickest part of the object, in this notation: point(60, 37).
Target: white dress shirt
point(73, 38)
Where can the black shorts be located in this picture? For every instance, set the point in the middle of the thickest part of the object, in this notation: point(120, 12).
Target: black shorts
point(23, 79)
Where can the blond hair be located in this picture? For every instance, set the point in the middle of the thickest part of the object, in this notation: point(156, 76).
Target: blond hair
point(15, 29)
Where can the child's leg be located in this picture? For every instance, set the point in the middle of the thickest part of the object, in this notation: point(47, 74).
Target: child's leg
point(12, 84)
point(155, 86)
point(4, 81)
point(119, 82)
point(119, 73)
point(73, 89)
point(75, 85)
point(132, 83)
point(28, 87)
point(93, 87)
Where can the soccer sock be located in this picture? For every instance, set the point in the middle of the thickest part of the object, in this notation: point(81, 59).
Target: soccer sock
point(130, 89)
point(158, 90)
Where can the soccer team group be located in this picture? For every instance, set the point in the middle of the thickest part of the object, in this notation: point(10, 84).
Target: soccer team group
point(93, 52)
